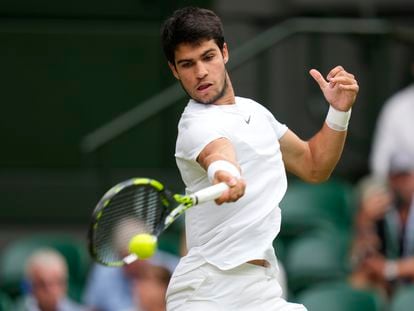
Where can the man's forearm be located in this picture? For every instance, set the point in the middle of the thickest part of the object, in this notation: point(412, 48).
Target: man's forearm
point(326, 148)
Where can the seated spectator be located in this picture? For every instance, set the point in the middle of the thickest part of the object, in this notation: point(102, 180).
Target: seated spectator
point(47, 277)
point(394, 127)
point(149, 291)
point(383, 249)
point(111, 288)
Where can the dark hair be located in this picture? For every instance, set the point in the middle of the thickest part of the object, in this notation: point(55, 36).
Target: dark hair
point(190, 25)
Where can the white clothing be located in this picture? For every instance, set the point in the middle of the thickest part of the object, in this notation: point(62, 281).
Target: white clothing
point(232, 233)
point(244, 288)
point(394, 130)
point(281, 279)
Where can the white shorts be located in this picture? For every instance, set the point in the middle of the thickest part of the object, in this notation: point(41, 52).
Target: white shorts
point(245, 288)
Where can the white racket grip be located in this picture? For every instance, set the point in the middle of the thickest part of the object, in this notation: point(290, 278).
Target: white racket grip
point(210, 193)
point(130, 259)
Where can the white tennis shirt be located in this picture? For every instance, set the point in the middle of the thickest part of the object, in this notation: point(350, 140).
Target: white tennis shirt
point(394, 130)
point(232, 233)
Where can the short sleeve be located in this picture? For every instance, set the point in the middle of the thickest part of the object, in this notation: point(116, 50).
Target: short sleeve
point(192, 138)
point(279, 128)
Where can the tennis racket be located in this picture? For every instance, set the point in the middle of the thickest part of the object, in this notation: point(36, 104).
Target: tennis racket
point(137, 206)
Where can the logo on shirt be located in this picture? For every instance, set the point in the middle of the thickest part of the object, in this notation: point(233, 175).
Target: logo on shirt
point(247, 120)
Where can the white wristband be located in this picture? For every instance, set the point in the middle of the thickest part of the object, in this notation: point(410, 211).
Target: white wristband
point(391, 270)
point(338, 120)
point(222, 165)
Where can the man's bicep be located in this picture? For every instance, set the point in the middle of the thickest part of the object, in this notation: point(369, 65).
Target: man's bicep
point(295, 153)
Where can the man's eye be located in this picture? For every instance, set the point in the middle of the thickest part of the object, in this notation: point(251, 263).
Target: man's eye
point(209, 57)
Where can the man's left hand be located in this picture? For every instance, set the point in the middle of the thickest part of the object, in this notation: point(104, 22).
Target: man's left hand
point(340, 87)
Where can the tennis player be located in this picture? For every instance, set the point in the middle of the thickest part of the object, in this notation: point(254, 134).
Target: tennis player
point(231, 264)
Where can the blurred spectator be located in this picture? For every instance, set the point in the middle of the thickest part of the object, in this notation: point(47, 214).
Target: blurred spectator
point(395, 127)
point(47, 277)
point(149, 291)
point(111, 289)
point(383, 249)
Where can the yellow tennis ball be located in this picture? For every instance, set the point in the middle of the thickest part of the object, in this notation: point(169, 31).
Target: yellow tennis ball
point(143, 245)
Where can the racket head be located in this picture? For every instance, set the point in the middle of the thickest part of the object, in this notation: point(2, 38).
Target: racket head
point(134, 206)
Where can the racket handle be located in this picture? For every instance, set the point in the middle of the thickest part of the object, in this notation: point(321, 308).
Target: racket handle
point(210, 193)
point(130, 259)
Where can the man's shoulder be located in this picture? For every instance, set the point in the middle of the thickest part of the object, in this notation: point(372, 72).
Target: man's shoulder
point(252, 105)
point(245, 100)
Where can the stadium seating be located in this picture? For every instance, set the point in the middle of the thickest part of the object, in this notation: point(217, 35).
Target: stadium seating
point(5, 302)
point(339, 297)
point(403, 299)
point(307, 207)
point(317, 257)
point(14, 256)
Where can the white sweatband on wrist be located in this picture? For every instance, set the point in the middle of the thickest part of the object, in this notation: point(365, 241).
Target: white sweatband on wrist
point(338, 120)
point(222, 165)
point(391, 270)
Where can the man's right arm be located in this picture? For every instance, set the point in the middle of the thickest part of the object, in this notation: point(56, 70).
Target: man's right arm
point(221, 155)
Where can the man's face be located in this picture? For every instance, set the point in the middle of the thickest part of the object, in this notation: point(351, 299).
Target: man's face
point(48, 286)
point(201, 71)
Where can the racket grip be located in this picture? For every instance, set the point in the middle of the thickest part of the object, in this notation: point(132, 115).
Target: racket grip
point(210, 193)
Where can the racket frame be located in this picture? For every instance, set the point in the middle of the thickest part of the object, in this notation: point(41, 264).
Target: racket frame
point(167, 199)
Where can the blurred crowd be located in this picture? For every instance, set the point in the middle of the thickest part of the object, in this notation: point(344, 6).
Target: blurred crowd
point(140, 286)
point(383, 248)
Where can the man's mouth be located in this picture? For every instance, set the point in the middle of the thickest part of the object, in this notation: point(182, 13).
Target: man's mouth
point(203, 87)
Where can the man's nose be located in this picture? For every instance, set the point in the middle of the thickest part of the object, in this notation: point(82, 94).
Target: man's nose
point(201, 70)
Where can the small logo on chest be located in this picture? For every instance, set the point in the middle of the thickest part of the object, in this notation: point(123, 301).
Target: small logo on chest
point(247, 120)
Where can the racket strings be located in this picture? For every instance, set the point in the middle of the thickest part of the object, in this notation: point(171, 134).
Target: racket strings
point(133, 210)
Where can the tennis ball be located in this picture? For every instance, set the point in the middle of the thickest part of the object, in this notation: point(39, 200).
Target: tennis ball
point(143, 245)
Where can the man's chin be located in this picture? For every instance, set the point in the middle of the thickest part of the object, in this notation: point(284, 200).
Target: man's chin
point(204, 101)
point(208, 100)
point(213, 98)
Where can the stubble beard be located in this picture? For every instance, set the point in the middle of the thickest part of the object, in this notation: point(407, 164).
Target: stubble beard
point(213, 100)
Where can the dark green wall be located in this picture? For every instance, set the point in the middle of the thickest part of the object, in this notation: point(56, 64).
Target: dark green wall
point(70, 67)
point(138, 9)
point(58, 86)
point(67, 68)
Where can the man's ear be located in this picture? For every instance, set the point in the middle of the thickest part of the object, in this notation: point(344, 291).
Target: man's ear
point(173, 70)
point(225, 53)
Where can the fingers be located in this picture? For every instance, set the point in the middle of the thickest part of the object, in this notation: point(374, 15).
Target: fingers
point(334, 72)
point(336, 77)
point(318, 78)
point(343, 80)
point(354, 88)
point(346, 82)
point(236, 189)
point(339, 75)
point(340, 87)
point(233, 193)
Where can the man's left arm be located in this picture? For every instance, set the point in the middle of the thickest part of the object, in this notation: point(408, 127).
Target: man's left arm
point(314, 160)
